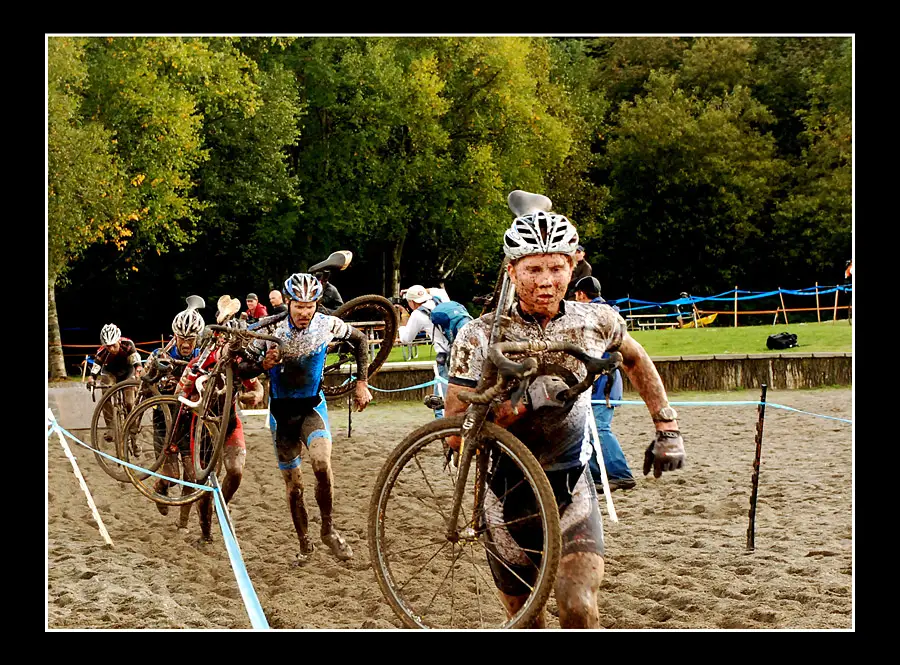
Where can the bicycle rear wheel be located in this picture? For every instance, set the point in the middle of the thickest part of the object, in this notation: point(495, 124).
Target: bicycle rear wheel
point(153, 428)
point(105, 437)
point(380, 319)
point(418, 560)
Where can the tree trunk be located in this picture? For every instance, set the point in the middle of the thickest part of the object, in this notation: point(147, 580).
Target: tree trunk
point(396, 253)
point(57, 361)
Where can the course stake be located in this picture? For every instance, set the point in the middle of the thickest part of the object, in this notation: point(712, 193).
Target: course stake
point(761, 411)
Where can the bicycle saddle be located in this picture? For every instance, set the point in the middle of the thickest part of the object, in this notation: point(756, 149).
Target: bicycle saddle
point(195, 302)
point(227, 307)
point(337, 261)
point(525, 203)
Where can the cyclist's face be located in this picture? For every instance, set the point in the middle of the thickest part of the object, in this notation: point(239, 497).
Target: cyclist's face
point(113, 348)
point(185, 345)
point(302, 313)
point(541, 281)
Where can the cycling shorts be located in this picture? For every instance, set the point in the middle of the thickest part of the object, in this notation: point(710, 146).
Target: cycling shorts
point(509, 499)
point(296, 422)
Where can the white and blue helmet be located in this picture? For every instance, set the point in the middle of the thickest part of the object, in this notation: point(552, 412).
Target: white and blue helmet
point(109, 334)
point(303, 287)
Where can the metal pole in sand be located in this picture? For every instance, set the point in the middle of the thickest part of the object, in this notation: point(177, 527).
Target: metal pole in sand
point(761, 411)
point(84, 487)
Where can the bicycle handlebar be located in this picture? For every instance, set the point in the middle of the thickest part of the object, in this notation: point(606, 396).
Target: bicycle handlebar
point(267, 321)
point(510, 369)
point(249, 333)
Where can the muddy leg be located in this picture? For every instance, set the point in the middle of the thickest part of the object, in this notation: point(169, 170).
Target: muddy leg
point(514, 604)
point(185, 512)
point(234, 471)
point(577, 584)
point(170, 468)
point(293, 480)
point(320, 457)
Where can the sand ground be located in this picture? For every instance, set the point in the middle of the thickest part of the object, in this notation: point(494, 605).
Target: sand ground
point(676, 559)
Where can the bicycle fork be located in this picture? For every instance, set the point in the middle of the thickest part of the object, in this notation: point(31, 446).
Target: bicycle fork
point(469, 448)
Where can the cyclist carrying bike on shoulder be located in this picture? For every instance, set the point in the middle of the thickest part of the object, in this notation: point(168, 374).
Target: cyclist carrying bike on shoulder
point(540, 247)
point(297, 408)
point(235, 448)
point(116, 360)
point(187, 327)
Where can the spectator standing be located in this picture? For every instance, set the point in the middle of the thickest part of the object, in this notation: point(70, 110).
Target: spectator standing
point(582, 269)
point(421, 303)
point(255, 310)
point(617, 470)
point(331, 298)
point(277, 302)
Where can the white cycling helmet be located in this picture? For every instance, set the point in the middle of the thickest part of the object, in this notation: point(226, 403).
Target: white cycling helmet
point(540, 233)
point(109, 334)
point(303, 287)
point(188, 323)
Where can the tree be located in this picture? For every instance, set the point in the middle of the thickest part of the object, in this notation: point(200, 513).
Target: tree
point(691, 178)
point(84, 187)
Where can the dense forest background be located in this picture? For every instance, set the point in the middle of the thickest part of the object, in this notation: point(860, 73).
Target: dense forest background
point(221, 165)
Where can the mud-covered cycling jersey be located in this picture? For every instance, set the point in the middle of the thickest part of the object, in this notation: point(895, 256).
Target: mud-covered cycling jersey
point(303, 359)
point(559, 440)
point(119, 364)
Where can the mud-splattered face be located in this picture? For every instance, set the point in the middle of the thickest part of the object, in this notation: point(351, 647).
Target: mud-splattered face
point(541, 282)
point(302, 313)
point(185, 345)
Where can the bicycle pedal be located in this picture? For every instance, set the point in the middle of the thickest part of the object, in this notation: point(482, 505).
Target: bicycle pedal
point(434, 402)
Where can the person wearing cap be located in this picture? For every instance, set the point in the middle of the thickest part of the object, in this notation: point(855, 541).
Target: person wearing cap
point(421, 303)
point(331, 297)
point(618, 472)
point(582, 269)
point(255, 310)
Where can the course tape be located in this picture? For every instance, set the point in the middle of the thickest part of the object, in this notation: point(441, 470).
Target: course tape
point(245, 586)
point(400, 390)
point(729, 296)
point(628, 402)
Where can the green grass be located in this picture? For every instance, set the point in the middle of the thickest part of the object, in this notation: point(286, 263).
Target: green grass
point(824, 336)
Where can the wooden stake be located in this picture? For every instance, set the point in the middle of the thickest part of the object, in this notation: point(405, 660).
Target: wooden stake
point(735, 305)
point(783, 308)
point(818, 313)
point(777, 312)
point(836, 292)
point(349, 414)
point(754, 492)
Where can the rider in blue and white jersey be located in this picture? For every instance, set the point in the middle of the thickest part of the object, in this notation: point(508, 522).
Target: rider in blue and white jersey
point(297, 409)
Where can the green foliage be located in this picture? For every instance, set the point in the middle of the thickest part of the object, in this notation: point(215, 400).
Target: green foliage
point(84, 189)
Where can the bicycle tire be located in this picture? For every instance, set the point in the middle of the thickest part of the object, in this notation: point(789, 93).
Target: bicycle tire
point(112, 469)
point(388, 315)
point(168, 403)
point(203, 458)
point(379, 540)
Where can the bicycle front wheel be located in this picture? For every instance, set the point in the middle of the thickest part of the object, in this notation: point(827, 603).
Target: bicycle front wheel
point(158, 432)
point(106, 435)
point(374, 316)
point(437, 575)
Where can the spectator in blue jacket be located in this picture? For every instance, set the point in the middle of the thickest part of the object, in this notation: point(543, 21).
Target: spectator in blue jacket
point(587, 289)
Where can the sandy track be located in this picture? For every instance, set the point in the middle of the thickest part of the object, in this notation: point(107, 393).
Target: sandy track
point(675, 560)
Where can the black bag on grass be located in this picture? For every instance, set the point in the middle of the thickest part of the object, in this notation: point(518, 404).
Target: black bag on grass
point(783, 340)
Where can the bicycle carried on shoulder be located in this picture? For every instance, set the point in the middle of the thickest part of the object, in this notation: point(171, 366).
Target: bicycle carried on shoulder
point(165, 423)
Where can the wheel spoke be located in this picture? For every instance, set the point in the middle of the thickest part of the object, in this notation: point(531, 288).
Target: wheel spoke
point(531, 588)
point(417, 547)
point(422, 567)
point(444, 579)
point(430, 489)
